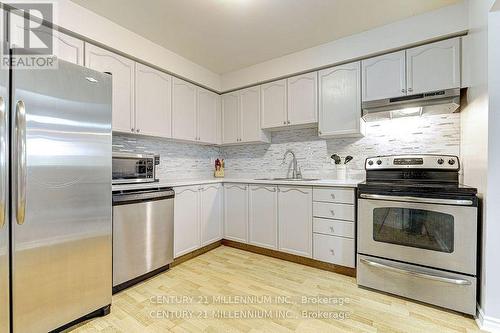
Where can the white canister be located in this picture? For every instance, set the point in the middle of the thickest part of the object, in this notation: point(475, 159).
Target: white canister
point(341, 171)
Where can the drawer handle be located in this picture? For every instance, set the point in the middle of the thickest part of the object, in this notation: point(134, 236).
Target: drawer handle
point(333, 196)
point(332, 212)
point(332, 251)
point(332, 229)
point(415, 273)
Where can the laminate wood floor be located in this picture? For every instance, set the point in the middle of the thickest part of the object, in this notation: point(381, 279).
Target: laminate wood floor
point(230, 290)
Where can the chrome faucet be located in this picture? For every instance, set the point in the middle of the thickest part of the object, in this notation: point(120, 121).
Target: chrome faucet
point(296, 174)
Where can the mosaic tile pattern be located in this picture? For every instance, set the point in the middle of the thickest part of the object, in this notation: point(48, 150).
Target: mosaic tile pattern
point(439, 134)
point(177, 160)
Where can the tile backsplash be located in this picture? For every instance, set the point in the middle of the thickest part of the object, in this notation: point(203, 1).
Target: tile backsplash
point(177, 160)
point(439, 134)
point(430, 134)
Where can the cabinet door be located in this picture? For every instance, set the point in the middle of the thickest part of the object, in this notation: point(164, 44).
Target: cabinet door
point(340, 101)
point(211, 214)
point(236, 212)
point(68, 48)
point(186, 220)
point(230, 118)
point(64, 47)
point(384, 76)
point(303, 99)
point(434, 66)
point(183, 110)
point(153, 102)
point(123, 72)
point(295, 220)
point(207, 116)
point(263, 216)
point(274, 104)
point(250, 115)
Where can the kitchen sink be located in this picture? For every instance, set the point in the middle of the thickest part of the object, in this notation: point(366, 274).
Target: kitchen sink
point(290, 179)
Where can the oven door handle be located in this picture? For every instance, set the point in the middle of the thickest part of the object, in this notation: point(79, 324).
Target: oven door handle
point(458, 202)
point(415, 273)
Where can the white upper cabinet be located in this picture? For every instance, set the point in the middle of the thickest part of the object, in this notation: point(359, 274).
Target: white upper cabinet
point(68, 48)
point(295, 220)
point(153, 102)
point(241, 117)
point(236, 212)
point(123, 72)
point(186, 220)
point(303, 99)
point(340, 101)
point(434, 66)
point(207, 116)
point(384, 76)
point(231, 118)
point(250, 116)
point(184, 95)
point(274, 104)
point(211, 213)
point(263, 216)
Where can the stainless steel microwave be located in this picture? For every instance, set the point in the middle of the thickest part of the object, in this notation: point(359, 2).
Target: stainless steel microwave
point(130, 168)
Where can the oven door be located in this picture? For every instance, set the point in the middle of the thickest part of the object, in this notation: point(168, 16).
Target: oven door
point(133, 168)
point(439, 233)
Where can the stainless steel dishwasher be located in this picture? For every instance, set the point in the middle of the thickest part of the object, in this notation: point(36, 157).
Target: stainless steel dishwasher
point(143, 234)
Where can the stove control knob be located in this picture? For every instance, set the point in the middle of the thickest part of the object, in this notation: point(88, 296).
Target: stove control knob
point(370, 162)
point(379, 162)
point(451, 162)
point(440, 161)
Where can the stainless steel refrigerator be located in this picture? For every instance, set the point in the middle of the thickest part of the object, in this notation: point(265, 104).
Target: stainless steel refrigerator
point(55, 196)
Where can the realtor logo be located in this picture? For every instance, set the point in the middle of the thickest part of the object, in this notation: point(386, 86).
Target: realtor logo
point(30, 40)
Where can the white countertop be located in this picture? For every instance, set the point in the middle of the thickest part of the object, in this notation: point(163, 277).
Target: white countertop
point(189, 182)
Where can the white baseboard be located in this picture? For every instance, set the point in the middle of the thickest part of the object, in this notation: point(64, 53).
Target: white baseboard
point(486, 323)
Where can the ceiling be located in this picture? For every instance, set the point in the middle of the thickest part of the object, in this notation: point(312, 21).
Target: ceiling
point(226, 35)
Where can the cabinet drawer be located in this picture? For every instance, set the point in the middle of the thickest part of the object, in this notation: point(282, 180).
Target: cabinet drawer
point(333, 227)
point(333, 249)
point(333, 211)
point(338, 195)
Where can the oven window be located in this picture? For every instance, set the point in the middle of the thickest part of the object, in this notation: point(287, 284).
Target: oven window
point(419, 228)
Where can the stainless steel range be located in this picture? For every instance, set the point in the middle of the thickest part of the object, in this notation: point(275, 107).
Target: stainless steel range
point(417, 230)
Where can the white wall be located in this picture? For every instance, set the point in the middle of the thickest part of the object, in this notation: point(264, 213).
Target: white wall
point(480, 152)
point(97, 28)
point(442, 22)
point(490, 303)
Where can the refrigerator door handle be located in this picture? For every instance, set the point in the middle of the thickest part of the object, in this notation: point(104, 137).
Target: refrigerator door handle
point(20, 149)
point(3, 157)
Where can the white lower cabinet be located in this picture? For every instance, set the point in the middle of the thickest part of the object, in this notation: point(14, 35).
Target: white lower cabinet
point(295, 220)
point(186, 220)
point(197, 217)
point(334, 226)
point(334, 249)
point(236, 212)
point(263, 216)
point(211, 213)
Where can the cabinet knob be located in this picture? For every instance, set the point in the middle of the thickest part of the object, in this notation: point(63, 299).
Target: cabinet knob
point(288, 122)
point(137, 130)
point(132, 130)
point(332, 252)
point(332, 229)
point(333, 196)
point(403, 90)
point(332, 212)
point(410, 89)
point(319, 132)
point(284, 123)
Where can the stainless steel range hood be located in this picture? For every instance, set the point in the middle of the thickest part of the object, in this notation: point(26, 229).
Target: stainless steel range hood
point(436, 102)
